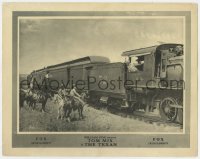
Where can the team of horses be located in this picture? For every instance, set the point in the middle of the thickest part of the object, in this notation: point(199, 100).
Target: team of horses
point(65, 104)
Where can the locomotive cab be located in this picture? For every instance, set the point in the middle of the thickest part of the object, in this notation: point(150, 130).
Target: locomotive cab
point(140, 68)
point(148, 66)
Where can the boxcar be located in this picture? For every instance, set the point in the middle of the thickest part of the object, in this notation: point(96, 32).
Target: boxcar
point(65, 73)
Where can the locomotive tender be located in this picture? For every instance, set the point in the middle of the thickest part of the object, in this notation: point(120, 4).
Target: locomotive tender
point(150, 81)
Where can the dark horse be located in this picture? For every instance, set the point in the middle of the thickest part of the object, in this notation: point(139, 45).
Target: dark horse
point(22, 98)
point(77, 105)
point(67, 104)
point(39, 97)
point(25, 95)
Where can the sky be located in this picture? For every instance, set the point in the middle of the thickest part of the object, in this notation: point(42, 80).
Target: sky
point(44, 42)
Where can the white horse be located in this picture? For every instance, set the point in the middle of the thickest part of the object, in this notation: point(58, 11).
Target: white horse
point(64, 105)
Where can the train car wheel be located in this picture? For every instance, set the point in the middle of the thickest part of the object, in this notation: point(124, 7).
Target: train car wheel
point(167, 112)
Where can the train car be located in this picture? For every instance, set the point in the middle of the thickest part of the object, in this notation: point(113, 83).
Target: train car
point(64, 73)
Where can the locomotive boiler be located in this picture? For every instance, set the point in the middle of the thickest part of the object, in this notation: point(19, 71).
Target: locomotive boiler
point(149, 81)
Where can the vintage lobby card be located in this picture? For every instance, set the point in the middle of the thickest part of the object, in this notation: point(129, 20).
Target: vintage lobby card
point(91, 79)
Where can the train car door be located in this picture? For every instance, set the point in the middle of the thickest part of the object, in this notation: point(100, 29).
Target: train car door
point(87, 73)
point(68, 78)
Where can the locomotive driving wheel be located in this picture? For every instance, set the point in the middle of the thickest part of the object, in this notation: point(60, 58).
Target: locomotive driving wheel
point(167, 112)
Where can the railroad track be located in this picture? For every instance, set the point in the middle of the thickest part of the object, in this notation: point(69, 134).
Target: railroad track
point(139, 116)
point(156, 120)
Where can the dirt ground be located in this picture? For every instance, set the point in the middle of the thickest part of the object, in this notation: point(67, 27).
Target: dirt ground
point(94, 121)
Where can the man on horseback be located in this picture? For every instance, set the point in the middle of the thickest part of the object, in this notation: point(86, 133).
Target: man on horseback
point(75, 95)
point(63, 99)
point(62, 91)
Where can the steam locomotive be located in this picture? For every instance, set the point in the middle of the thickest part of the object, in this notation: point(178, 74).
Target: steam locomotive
point(149, 81)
